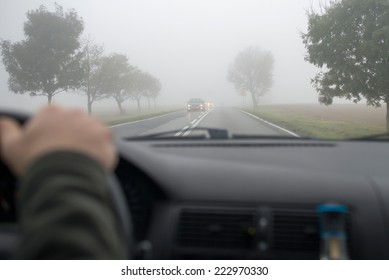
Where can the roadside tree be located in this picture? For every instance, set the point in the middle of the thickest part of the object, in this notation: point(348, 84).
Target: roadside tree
point(116, 77)
point(153, 91)
point(91, 62)
point(47, 61)
point(349, 41)
point(145, 85)
point(251, 71)
point(139, 86)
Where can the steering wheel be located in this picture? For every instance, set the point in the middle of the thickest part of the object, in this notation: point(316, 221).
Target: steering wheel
point(114, 189)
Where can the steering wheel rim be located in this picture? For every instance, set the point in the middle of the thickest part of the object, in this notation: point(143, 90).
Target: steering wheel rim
point(115, 191)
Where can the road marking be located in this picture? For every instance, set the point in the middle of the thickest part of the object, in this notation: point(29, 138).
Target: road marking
point(181, 131)
point(269, 123)
point(184, 131)
point(201, 117)
point(116, 125)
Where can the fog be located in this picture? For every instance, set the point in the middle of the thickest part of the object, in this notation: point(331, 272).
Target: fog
point(188, 45)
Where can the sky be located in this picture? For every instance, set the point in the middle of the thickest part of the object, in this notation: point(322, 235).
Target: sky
point(187, 44)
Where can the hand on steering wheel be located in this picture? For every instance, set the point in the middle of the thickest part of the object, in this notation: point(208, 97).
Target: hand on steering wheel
point(24, 139)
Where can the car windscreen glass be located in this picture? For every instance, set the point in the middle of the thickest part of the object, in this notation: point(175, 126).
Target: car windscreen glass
point(281, 68)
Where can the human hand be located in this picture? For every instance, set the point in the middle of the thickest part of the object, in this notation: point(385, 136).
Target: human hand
point(55, 128)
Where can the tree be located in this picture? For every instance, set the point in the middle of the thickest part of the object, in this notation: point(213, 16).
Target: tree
point(91, 63)
point(349, 41)
point(139, 86)
point(47, 61)
point(154, 90)
point(251, 71)
point(153, 87)
point(116, 76)
point(145, 85)
point(242, 93)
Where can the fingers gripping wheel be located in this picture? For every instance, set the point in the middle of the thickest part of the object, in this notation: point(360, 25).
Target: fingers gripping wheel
point(119, 204)
point(7, 179)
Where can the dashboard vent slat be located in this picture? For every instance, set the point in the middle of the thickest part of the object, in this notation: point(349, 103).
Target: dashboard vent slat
point(295, 230)
point(215, 229)
point(299, 230)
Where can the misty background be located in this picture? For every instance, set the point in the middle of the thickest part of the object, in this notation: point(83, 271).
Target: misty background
point(187, 45)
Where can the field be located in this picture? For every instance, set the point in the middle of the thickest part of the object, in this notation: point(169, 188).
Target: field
point(338, 121)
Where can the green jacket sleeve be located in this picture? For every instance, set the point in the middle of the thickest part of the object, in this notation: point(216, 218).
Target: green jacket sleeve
point(65, 210)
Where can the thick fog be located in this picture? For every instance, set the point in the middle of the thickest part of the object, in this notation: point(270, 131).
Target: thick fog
point(187, 45)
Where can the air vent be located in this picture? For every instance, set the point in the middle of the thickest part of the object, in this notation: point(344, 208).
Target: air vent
point(245, 145)
point(215, 229)
point(295, 231)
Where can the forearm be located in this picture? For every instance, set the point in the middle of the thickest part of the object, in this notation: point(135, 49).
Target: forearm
point(65, 210)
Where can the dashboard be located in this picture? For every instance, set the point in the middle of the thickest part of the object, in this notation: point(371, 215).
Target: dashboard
point(246, 198)
point(254, 199)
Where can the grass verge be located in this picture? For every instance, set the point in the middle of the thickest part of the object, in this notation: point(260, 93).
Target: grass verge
point(311, 126)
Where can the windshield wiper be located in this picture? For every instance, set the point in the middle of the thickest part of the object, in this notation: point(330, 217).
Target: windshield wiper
point(213, 133)
point(375, 137)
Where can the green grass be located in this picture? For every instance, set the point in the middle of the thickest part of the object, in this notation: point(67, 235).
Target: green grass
point(118, 119)
point(304, 125)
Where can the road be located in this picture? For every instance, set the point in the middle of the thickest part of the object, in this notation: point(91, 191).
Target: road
point(232, 119)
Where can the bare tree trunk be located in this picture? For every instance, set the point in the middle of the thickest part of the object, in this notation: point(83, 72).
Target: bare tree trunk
point(120, 106)
point(387, 116)
point(155, 104)
point(138, 103)
point(148, 100)
point(254, 99)
point(49, 98)
point(90, 108)
point(89, 105)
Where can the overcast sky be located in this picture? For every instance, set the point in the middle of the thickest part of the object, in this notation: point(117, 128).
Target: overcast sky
point(188, 45)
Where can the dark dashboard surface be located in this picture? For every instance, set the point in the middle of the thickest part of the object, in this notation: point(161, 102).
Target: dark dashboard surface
point(246, 199)
point(249, 199)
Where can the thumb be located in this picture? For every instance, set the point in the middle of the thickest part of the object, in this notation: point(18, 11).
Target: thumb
point(9, 129)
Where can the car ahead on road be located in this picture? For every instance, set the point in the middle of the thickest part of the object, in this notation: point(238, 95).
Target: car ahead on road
point(195, 104)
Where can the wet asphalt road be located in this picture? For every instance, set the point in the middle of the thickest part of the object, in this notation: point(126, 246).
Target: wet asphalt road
point(183, 123)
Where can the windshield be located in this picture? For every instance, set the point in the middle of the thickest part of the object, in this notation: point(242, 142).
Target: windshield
point(248, 67)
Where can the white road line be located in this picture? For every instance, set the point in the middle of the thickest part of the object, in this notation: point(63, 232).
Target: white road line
point(181, 131)
point(116, 125)
point(269, 123)
point(196, 123)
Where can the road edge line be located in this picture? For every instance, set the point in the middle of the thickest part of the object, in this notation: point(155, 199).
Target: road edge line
point(120, 124)
point(269, 123)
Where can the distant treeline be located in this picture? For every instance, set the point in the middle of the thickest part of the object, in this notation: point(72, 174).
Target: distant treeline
point(55, 57)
